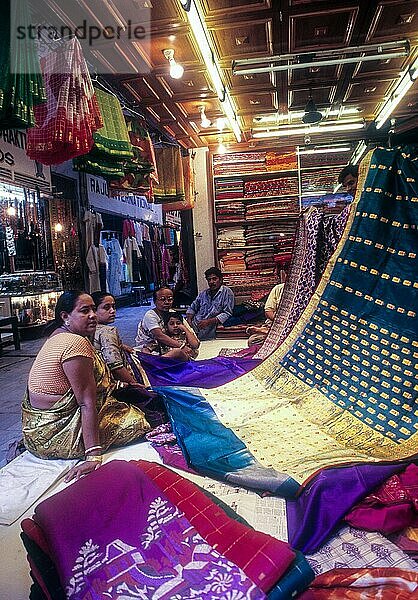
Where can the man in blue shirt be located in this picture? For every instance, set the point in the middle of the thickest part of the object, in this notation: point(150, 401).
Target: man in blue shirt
point(212, 306)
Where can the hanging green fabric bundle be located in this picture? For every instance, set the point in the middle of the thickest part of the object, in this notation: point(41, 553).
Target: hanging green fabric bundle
point(21, 83)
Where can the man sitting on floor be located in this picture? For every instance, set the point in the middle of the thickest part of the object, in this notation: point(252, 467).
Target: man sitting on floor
point(259, 333)
point(212, 307)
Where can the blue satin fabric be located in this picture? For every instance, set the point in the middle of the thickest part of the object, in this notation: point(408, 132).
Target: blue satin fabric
point(207, 373)
point(213, 449)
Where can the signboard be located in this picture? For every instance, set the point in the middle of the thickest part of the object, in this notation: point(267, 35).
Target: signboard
point(130, 206)
point(16, 166)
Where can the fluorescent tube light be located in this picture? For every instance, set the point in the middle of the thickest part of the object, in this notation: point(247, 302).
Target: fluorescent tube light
point(358, 152)
point(202, 38)
point(326, 150)
point(407, 80)
point(280, 132)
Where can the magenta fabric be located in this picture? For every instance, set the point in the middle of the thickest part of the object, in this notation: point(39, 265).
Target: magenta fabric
point(263, 558)
point(114, 534)
point(391, 507)
point(327, 498)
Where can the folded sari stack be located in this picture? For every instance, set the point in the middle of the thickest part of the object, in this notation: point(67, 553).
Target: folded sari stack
point(279, 234)
point(271, 209)
point(255, 283)
point(65, 124)
point(229, 188)
point(230, 211)
point(21, 84)
point(230, 237)
point(282, 186)
point(112, 147)
point(260, 258)
point(325, 180)
point(239, 162)
point(231, 262)
point(139, 530)
point(281, 162)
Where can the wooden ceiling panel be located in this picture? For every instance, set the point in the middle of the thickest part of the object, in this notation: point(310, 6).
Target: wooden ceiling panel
point(388, 68)
point(358, 92)
point(322, 96)
point(394, 19)
point(212, 107)
point(223, 8)
point(193, 84)
point(238, 83)
point(184, 51)
point(242, 39)
point(323, 29)
point(314, 75)
point(256, 102)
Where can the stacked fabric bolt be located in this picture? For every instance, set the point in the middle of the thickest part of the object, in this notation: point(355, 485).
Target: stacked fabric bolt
point(285, 207)
point(232, 262)
point(260, 258)
point(282, 186)
point(230, 211)
point(281, 162)
point(324, 180)
point(269, 233)
point(239, 162)
point(229, 188)
point(252, 282)
point(230, 237)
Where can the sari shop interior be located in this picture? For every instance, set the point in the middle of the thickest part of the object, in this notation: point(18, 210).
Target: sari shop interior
point(215, 133)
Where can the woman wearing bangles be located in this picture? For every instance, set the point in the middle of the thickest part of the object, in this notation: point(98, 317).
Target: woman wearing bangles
point(69, 409)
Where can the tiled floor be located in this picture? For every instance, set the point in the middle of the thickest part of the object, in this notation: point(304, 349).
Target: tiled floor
point(15, 366)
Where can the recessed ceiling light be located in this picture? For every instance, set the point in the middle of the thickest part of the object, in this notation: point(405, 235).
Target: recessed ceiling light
point(243, 39)
point(405, 19)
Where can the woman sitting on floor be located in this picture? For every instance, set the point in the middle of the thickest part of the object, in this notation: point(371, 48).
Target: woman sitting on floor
point(151, 330)
point(108, 342)
point(69, 409)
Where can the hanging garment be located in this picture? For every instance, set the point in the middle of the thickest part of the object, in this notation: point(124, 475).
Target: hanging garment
point(92, 262)
point(21, 84)
point(66, 122)
point(115, 272)
point(130, 247)
point(170, 186)
point(112, 147)
point(10, 241)
point(103, 267)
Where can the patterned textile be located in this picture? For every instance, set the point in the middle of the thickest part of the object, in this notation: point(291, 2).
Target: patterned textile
point(21, 84)
point(222, 532)
point(141, 167)
point(300, 282)
point(66, 122)
point(354, 549)
point(135, 543)
point(364, 584)
point(107, 341)
point(189, 189)
point(170, 186)
point(340, 387)
point(57, 433)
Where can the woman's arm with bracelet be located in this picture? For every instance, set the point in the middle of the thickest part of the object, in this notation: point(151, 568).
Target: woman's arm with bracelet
point(79, 372)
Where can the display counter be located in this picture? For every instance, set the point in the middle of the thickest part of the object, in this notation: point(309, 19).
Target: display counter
point(30, 296)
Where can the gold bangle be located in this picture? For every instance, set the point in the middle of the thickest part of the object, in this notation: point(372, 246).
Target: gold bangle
point(97, 458)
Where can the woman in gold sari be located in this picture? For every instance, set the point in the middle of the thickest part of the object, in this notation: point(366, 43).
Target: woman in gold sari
point(69, 410)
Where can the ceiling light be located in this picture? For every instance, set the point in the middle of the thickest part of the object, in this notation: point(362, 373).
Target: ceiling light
point(58, 227)
point(358, 152)
point(221, 147)
point(202, 38)
point(324, 128)
point(176, 70)
point(204, 121)
point(312, 115)
point(331, 149)
point(407, 80)
point(321, 58)
point(11, 211)
point(220, 124)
